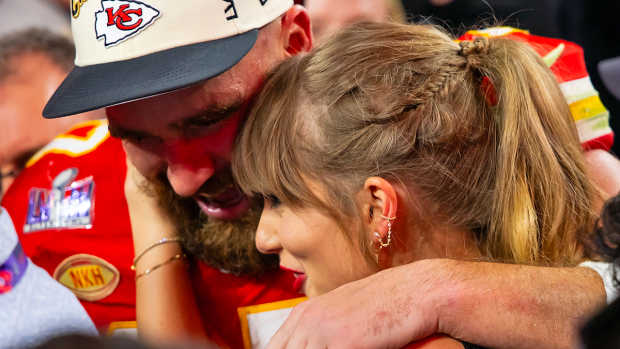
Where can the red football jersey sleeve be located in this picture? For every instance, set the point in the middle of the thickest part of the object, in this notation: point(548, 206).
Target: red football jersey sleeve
point(50, 228)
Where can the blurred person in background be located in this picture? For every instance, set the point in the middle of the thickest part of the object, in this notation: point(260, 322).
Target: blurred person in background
point(32, 65)
point(595, 26)
point(33, 306)
point(329, 16)
point(50, 15)
point(538, 16)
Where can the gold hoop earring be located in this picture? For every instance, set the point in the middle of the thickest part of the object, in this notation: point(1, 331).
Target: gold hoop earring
point(382, 244)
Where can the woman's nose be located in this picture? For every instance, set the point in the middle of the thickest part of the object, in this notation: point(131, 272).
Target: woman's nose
point(266, 238)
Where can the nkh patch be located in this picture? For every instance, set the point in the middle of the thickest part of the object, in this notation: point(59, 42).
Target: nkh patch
point(89, 277)
point(68, 204)
point(121, 19)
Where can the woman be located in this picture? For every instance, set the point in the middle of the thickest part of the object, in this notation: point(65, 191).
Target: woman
point(392, 143)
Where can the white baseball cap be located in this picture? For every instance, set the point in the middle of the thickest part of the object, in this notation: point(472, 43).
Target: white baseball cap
point(129, 49)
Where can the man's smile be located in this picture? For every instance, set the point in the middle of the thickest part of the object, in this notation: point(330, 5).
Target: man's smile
point(227, 204)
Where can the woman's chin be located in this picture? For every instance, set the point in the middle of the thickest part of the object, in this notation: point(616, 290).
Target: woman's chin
point(310, 290)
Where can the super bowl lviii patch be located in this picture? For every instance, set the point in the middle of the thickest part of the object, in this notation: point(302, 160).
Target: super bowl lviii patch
point(119, 20)
point(68, 204)
point(89, 277)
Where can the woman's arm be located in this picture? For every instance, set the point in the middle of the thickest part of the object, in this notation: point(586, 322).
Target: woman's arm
point(489, 304)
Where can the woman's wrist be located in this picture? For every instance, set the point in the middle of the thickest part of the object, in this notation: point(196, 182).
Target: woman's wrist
point(156, 256)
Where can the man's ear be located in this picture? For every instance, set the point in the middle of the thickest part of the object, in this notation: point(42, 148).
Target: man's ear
point(379, 202)
point(296, 31)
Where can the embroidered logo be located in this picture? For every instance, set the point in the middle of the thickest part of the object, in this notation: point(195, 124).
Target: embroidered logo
point(89, 277)
point(67, 205)
point(121, 19)
point(76, 5)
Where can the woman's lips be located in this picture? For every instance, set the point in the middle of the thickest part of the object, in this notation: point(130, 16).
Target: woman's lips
point(230, 204)
point(300, 279)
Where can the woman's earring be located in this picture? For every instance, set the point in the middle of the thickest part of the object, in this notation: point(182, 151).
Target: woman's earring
point(389, 234)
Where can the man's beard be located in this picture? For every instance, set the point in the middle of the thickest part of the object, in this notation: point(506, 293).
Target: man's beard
point(222, 244)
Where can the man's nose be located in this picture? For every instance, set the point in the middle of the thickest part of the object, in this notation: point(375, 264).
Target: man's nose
point(266, 238)
point(188, 169)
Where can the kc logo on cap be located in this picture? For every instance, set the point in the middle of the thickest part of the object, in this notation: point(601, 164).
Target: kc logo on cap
point(120, 20)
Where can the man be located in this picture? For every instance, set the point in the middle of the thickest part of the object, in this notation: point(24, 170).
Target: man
point(32, 65)
point(210, 69)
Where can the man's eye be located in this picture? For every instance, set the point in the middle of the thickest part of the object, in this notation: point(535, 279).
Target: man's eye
point(198, 127)
point(273, 200)
point(142, 140)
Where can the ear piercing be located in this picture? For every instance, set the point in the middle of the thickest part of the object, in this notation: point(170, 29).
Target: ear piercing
point(382, 244)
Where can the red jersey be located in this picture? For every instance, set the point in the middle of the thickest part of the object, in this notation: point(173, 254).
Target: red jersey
point(72, 219)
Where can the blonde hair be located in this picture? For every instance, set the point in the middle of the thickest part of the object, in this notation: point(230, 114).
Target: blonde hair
point(405, 102)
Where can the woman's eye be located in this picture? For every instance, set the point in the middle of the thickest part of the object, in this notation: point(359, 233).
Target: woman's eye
point(273, 200)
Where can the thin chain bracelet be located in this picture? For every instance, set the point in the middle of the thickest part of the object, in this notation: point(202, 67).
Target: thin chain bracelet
point(152, 246)
point(168, 261)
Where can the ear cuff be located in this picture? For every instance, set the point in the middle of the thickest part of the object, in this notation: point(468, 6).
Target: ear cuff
point(387, 243)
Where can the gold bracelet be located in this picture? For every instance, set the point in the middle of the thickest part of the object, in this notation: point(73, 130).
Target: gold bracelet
point(155, 244)
point(168, 261)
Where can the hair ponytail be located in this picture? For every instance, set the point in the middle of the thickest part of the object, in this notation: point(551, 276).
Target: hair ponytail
point(541, 195)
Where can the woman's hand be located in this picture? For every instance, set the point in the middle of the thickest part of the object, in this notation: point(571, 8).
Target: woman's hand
point(166, 309)
point(149, 221)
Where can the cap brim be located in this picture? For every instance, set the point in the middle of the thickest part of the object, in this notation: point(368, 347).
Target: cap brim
point(609, 70)
point(101, 85)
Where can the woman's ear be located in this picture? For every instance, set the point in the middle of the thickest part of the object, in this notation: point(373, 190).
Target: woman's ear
point(379, 203)
point(296, 31)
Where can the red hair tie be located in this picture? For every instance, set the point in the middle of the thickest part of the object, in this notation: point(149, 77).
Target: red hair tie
point(489, 92)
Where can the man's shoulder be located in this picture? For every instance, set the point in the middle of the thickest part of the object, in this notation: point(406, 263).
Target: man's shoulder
point(67, 177)
point(87, 143)
point(70, 213)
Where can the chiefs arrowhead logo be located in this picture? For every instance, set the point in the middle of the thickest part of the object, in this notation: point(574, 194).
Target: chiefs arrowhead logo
point(121, 19)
